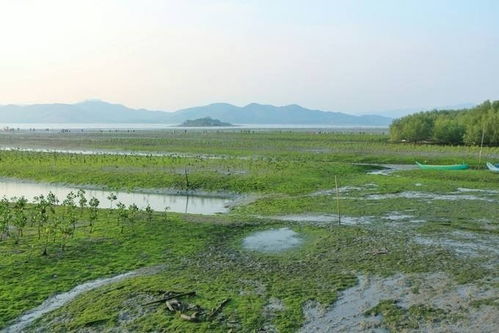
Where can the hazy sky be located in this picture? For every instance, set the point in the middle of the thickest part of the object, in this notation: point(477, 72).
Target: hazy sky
point(352, 56)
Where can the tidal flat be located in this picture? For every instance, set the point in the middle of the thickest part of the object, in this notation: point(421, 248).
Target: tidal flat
point(408, 250)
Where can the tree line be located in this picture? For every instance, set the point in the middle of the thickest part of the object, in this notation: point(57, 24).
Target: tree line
point(56, 221)
point(475, 126)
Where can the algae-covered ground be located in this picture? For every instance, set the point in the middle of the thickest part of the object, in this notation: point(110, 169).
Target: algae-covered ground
point(413, 250)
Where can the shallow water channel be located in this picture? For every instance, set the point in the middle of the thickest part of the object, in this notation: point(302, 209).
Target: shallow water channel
point(193, 204)
point(60, 300)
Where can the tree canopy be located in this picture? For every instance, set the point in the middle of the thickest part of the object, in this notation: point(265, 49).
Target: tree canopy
point(453, 127)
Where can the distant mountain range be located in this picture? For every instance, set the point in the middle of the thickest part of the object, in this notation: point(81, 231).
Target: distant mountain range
point(95, 111)
point(269, 114)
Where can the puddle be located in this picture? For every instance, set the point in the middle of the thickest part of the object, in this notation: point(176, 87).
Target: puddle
point(325, 219)
point(436, 290)
point(464, 243)
point(347, 313)
point(428, 196)
point(178, 203)
point(273, 240)
point(60, 300)
point(343, 189)
point(388, 168)
point(463, 189)
point(385, 172)
point(397, 216)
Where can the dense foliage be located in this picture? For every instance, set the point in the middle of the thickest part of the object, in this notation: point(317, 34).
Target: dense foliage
point(204, 122)
point(453, 127)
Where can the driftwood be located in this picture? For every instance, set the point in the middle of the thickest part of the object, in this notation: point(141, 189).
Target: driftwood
point(173, 304)
point(196, 316)
point(160, 291)
point(190, 293)
point(194, 307)
point(378, 252)
point(219, 308)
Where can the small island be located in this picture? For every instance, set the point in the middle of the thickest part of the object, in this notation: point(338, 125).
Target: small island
point(204, 122)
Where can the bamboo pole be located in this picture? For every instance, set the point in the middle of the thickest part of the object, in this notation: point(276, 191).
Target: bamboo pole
point(481, 144)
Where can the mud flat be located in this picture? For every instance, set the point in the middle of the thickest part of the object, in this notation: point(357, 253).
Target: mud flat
point(464, 243)
point(325, 219)
point(453, 196)
point(438, 291)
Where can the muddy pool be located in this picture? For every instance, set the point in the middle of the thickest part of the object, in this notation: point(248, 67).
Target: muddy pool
point(272, 240)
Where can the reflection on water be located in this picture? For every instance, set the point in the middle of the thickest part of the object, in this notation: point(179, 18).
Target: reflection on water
point(158, 202)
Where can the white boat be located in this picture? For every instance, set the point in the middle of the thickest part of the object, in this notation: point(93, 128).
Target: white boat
point(492, 167)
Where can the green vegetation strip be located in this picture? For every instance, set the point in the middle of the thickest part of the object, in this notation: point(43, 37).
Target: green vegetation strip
point(204, 254)
point(289, 145)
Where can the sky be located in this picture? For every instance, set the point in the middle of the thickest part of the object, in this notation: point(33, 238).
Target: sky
point(353, 56)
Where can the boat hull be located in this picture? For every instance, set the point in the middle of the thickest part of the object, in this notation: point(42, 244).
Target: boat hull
point(492, 167)
point(443, 167)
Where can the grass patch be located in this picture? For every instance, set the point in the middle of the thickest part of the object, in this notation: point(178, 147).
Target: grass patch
point(204, 253)
point(399, 319)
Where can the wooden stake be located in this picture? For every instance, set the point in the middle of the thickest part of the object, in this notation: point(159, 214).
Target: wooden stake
point(216, 310)
point(337, 199)
point(481, 144)
point(186, 179)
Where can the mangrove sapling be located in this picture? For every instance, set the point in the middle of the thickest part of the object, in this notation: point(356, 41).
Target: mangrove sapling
point(5, 218)
point(82, 201)
point(52, 201)
point(94, 211)
point(70, 211)
point(112, 197)
point(133, 212)
point(40, 215)
point(167, 208)
point(50, 229)
point(122, 215)
point(67, 231)
point(20, 218)
point(67, 222)
point(148, 210)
